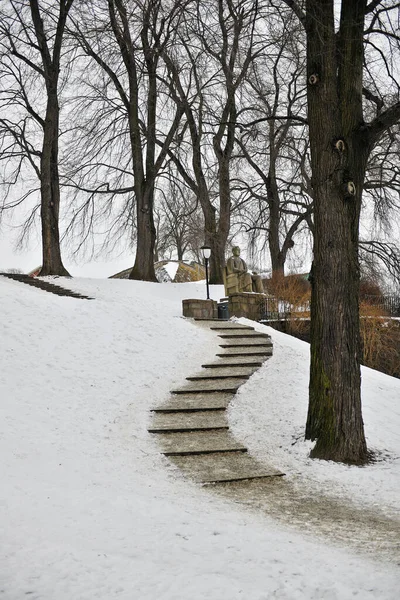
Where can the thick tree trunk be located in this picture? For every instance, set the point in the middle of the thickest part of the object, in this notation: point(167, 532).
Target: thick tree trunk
point(143, 269)
point(144, 170)
point(277, 257)
point(49, 176)
point(335, 113)
point(334, 414)
point(224, 221)
point(212, 239)
point(50, 192)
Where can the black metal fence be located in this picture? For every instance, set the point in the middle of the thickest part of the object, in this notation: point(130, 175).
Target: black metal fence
point(272, 309)
point(387, 305)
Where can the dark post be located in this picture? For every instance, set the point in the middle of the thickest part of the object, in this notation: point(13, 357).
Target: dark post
point(208, 289)
point(206, 252)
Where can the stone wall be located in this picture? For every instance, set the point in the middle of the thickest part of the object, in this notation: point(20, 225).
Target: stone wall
point(200, 309)
point(246, 304)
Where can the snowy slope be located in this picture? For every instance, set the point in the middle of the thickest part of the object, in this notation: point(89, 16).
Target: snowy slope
point(89, 509)
point(272, 425)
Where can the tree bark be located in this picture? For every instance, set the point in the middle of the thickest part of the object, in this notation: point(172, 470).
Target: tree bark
point(50, 190)
point(335, 63)
point(144, 176)
point(212, 239)
point(278, 258)
point(143, 269)
point(224, 221)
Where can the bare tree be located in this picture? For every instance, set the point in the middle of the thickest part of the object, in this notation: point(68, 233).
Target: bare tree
point(233, 40)
point(218, 41)
point(385, 253)
point(341, 140)
point(127, 43)
point(273, 137)
point(188, 86)
point(32, 36)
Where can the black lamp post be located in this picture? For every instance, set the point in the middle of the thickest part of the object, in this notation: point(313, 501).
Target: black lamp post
point(206, 252)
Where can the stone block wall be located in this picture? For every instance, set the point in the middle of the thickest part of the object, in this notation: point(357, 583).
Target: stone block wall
point(246, 304)
point(200, 309)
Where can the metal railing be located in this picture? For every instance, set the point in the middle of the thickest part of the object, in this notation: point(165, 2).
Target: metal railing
point(275, 309)
point(387, 305)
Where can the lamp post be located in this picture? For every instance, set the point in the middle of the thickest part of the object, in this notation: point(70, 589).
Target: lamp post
point(206, 252)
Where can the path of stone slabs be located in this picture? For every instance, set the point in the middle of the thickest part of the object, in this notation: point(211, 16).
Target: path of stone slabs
point(192, 426)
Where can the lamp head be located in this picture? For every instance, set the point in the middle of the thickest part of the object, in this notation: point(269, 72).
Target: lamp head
point(206, 252)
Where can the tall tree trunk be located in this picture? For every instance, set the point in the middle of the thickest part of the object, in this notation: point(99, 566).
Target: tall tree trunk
point(49, 175)
point(211, 239)
point(224, 221)
point(180, 252)
point(144, 171)
point(277, 257)
point(335, 113)
point(143, 269)
point(50, 191)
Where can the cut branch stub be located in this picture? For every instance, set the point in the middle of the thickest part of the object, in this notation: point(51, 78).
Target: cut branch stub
point(340, 146)
point(349, 189)
point(313, 79)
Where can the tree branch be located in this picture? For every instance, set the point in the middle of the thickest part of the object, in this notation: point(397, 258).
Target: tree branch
point(384, 121)
point(372, 5)
point(297, 10)
point(301, 120)
point(373, 98)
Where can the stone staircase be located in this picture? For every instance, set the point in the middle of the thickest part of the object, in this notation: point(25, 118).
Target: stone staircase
point(44, 285)
point(192, 427)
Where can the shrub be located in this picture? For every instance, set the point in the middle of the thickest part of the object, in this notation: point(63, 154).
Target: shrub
point(294, 291)
point(380, 339)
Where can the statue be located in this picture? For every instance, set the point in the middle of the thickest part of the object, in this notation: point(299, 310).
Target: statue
point(238, 277)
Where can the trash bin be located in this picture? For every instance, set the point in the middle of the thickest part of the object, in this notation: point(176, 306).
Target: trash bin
point(223, 313)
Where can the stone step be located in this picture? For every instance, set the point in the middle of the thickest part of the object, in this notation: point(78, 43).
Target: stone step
point(223, 468)
point(233, 327)
point(246, 348)
point(227, 385)
point(206, 320)
point(195, 402)
point(219, 324)
point(246, 342)
point(244, 352)
point(225, 372)
point(178, 421)
point(198, 442)
point(234, 362)
point(242, 334)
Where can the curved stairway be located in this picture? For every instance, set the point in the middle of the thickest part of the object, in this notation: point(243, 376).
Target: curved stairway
point(192, 427)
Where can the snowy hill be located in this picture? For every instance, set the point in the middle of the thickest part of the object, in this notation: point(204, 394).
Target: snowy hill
point(89, 509)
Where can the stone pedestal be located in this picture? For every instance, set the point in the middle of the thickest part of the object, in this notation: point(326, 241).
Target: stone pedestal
point(246, 304)
point(200, 309)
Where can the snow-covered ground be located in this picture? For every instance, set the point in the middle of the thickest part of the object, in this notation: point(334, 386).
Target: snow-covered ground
point(272, 425)
point(89, 509)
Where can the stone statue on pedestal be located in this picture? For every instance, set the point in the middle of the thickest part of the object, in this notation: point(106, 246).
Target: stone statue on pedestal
point(238, 276)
